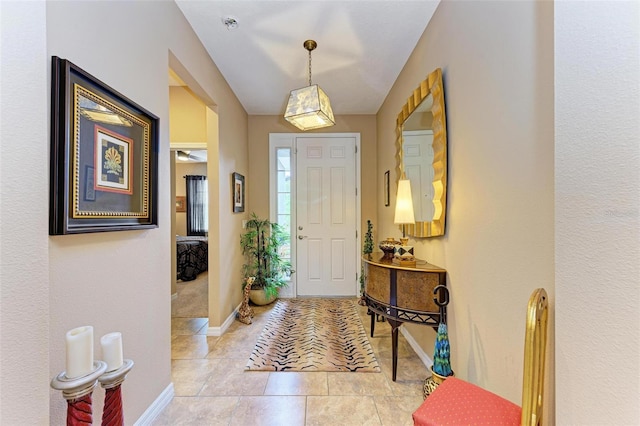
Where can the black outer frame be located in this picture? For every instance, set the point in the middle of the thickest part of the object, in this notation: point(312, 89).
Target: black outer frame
point(60, 157)
point(387, 196)
point(239, 177)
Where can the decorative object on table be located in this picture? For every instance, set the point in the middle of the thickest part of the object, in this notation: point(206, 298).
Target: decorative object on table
point(404, 216)
point(441, 368)
point(237, 183)
point(404, 253)
point(245, 313)
point(262, 245)
point(387, 199)
point(314, 335)
point(104, 157)
point(80, 377)
point(309, 107)
point(388, 246)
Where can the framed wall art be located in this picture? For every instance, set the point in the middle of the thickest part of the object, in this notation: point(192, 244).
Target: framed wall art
point(181, 204)
point(104, 156)
point(237, 181)
point(387, 201)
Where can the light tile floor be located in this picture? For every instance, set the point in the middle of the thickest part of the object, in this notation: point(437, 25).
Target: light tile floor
point(213, 388)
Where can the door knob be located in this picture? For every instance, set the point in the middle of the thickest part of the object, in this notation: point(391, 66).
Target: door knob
point(301, 237)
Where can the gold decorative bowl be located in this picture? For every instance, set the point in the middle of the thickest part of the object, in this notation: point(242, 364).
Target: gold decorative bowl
point(388, 246)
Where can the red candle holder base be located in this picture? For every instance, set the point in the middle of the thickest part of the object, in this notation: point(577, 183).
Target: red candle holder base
point(111, 381)
point(77, 392)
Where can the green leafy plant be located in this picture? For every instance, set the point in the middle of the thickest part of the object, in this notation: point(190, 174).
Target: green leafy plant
point(367, 249)
point(368, 240)
point(262, 246)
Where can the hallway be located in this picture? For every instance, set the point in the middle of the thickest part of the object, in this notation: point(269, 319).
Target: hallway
point(212, 387)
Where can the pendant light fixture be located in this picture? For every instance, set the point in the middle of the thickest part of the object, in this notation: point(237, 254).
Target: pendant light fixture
point(309, 107)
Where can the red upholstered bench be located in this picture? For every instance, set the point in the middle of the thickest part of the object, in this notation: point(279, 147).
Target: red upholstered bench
point(456, 402)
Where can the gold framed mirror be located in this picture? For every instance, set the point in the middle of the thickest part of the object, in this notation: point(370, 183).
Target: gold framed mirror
point(421, 155)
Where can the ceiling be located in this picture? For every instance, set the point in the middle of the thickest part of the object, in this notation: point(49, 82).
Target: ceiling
point(362, 47)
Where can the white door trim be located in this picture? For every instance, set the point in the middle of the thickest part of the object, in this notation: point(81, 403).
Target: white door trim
point(287, 140)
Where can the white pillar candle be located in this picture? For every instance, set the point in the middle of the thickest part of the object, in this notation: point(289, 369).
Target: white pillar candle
point(112, 350)
point(79, 352)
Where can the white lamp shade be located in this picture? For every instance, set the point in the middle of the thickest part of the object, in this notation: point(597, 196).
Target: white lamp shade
point(404, 204)
point(309, 108)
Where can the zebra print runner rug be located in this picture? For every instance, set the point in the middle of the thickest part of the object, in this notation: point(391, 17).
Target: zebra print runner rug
point(314, 335)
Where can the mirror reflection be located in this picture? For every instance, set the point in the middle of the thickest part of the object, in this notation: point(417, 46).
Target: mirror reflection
point(422, 155)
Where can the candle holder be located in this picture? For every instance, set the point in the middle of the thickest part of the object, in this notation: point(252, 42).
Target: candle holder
point(77, 392)
point(111, 381)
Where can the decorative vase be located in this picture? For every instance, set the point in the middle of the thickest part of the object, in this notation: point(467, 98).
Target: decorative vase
point(432, 382)
point(388, 246)
point(259, 297)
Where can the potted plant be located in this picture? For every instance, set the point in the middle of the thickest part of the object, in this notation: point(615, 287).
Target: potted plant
point(262, 246)
point(366, 250)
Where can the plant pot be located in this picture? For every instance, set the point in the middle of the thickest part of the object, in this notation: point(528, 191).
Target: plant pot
point(432, 382)
point(259, 297)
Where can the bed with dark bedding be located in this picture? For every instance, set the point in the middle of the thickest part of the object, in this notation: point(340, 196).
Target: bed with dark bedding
point(192, 257)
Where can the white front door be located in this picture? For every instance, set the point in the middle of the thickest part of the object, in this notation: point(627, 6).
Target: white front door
point(325, 228)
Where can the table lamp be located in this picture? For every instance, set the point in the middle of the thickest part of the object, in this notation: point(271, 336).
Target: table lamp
point(404, 216)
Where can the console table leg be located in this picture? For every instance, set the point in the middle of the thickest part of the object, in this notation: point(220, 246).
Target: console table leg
point(373, 322)
point(394, 351)
point(395, 325)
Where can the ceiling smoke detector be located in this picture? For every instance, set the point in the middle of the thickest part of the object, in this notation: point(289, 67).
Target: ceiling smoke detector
point(230, 22)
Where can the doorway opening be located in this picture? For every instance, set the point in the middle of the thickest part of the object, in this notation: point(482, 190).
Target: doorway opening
point(314, 195)
point(193, 132)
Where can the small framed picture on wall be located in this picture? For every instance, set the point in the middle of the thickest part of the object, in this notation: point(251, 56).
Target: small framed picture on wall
point(387, 201)
point(181, 204)
point(237, 182)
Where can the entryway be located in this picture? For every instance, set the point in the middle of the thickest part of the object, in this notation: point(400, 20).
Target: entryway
point(315, 195)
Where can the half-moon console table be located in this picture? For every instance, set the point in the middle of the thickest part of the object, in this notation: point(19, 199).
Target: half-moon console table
point(402, 294)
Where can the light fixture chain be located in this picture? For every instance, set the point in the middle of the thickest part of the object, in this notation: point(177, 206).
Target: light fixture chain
point(309, 67)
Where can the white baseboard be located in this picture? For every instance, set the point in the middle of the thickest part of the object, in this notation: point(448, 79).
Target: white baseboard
point(219, 331)
point(426, 360)
point(174, 296)
point(156, 407)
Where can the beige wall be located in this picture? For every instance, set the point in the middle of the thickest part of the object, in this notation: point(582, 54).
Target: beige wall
point(121, 280)
point(24, 260)
point(597, 45)
point(187, 116)
point(258, 178)
point(497, 62)
point(183, 169)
